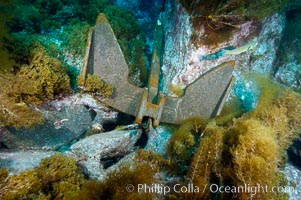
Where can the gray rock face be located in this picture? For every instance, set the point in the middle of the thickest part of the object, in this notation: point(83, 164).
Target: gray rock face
point(60, 128)
point(177, 31)
point(66, 120)
point(288, 63)
point(293, 175)
point(18, 161)
point(99, 113)
point(261, 59)
point(94, 149)
point(183, 62)
point(158, 139)
point(289, 74)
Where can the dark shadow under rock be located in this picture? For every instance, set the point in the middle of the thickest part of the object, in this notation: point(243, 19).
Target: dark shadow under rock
point(294, 152)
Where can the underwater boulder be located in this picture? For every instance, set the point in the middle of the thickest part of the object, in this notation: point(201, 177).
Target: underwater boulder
point(18, 161)
point(99, 113)
point(293, 175)
point(262, 57)
point(289, 74)
point(188, 54)
point(60, 128)
point(288, 63)
point(100, 151)
point(158, 139)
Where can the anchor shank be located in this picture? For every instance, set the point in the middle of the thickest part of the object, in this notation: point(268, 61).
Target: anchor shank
point(153, 81)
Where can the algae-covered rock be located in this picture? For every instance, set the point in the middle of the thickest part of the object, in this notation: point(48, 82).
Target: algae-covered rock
point(26, 184)
point(48, 76)
point(57, 177)
point(65, 119)
point(60, 128)
point(42, 79)
point(15, 112)
point(95, 84)
point(18, 161)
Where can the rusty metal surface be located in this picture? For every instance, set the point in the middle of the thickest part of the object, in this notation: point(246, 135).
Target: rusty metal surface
point(107, 61)
point(151, 110)
point(204, 97)
point(84, 70)
point(152, 102)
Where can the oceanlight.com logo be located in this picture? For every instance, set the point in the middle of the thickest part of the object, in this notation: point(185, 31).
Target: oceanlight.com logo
point(162, 189)
point(253, 190)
